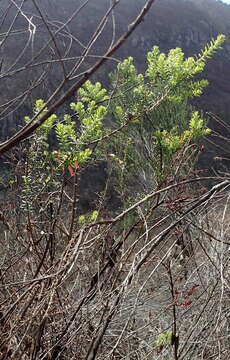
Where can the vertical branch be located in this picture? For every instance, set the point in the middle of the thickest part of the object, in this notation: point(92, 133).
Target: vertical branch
point(175, 336)
point(74, 205)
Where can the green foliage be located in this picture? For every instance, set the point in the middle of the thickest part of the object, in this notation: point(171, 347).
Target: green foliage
point(91, 217)
point(177, 73)
point(197, 126)
point(38, 166)
point(73, 137)
point(92, 93)
point(160, 120)
point(211, 48)
point(171, 142)
point(74, 134)
point(66, 134)
point(164, 339)
point(81, 219)
point(41, 109)
point(153, 111)
point(94, 215)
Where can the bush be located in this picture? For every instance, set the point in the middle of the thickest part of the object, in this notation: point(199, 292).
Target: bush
point(145, 279)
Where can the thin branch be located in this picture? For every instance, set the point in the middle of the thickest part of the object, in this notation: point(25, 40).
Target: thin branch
point(36, 123)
